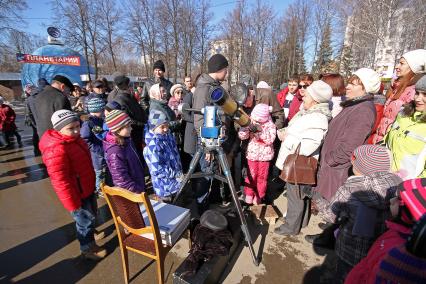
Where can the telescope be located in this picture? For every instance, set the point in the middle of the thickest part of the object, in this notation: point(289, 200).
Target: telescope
point(229, 106)
point(211, 135)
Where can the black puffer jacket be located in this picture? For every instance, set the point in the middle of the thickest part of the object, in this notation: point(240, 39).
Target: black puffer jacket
point(46, 103)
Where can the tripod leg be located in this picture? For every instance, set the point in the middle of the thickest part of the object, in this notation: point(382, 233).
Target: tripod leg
point(192, 166)
point(226, 171)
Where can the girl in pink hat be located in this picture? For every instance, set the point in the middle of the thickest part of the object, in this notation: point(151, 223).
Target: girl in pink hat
point(260, 152)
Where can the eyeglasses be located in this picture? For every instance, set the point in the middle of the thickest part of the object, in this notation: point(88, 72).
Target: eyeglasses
point(303, 86)
point(179, 92)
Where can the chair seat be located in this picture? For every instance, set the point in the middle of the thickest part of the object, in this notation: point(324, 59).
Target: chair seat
point(140, 243)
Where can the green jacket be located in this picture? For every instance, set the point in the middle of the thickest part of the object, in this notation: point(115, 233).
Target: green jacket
point(407, 142)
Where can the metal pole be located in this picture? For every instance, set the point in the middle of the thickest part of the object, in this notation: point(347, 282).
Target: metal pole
point(226, 171)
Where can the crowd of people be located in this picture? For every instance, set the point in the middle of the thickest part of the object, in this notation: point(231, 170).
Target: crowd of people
point(370, 146)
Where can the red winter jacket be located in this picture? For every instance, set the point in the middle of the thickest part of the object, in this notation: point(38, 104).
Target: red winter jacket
point(69, 166)
point(295, 103)
point(366, 270)
point(7, 118)
point(379, 115)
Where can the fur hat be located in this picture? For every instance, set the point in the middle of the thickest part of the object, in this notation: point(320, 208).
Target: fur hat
point(63, 117)
point(369, 159)
point(175, 87)
point(214, 220)
point(370, 79)
point(320, 91)
point(159, 64)
point(156, 118)
point(263, 85)
point(216, 63)
point(95, 105)
point(261, 113)
point(117, 119)
point(421, 84)
point(416, 59)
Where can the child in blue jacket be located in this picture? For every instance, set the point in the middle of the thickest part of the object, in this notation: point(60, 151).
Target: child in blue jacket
point(162, 157)
point(90, 130)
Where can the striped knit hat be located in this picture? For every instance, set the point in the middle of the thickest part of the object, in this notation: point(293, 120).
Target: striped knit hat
point(400, 266)
point(369, 159)
point(95, 105)
point(117, 119)
point(63, 117)
point(413, 194)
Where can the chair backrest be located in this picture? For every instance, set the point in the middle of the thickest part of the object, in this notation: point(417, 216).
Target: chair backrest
point(125, 210)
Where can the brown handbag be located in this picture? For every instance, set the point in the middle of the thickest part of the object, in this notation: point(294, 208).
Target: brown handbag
point(299, 169)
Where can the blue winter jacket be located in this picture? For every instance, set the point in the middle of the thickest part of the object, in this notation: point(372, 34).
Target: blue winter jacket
point(94, 143)
point(162, 157)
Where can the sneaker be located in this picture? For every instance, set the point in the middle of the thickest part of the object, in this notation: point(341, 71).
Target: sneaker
point(249, 199)
point(94, 253)
point(99, 235)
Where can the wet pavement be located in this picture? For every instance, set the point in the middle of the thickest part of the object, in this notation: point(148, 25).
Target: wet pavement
point(38, 242)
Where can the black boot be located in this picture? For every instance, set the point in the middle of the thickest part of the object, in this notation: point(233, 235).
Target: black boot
point(325, 240)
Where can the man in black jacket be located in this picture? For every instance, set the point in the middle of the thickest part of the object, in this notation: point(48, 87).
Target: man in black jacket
point(159, 69)
point(131, 106)
point(51, 99)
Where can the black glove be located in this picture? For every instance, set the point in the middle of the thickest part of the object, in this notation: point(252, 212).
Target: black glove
point(254, 128)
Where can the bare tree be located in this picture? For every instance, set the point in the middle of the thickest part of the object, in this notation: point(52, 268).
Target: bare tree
point(108, 26)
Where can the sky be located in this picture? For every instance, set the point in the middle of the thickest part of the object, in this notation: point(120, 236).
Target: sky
point(39, 14)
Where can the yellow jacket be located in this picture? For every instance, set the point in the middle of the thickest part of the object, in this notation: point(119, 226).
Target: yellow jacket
point(407, 142)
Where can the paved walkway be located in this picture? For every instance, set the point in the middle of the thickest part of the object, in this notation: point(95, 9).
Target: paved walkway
point(38, 243)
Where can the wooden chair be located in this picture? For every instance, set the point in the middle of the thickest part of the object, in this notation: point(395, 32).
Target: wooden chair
point(124, 206)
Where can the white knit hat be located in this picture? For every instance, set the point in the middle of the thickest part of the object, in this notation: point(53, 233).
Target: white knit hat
point(320, 91)
point(416, 59)
point(263, 85)
point(63, 117)
point(370, 79)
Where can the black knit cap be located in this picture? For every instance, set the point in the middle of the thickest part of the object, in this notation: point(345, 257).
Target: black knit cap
point(160, 65)
point(217, 62)
point(64, 80)
point(122, 82)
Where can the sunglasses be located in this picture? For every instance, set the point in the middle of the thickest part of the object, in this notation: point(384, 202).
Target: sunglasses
point(303, 86)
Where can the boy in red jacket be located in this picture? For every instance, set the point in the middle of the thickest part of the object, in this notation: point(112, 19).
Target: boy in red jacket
point(7, 125)
point(69, 165)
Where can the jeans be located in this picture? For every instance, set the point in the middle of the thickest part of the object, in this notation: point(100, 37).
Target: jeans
point(85, 218)
point(100, 178)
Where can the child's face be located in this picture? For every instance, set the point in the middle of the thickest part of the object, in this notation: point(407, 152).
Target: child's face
point(72, 129)
point(178, 94)
point(97, 114)
point(125, 131)
point(162, 129)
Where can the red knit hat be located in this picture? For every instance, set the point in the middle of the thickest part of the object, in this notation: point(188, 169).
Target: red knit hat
point(413, 193)
point(369, 159)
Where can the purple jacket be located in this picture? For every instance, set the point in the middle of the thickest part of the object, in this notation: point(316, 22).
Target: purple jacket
point(124, 164)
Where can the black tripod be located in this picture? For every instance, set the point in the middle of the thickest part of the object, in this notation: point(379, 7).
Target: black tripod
point(226, 177)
